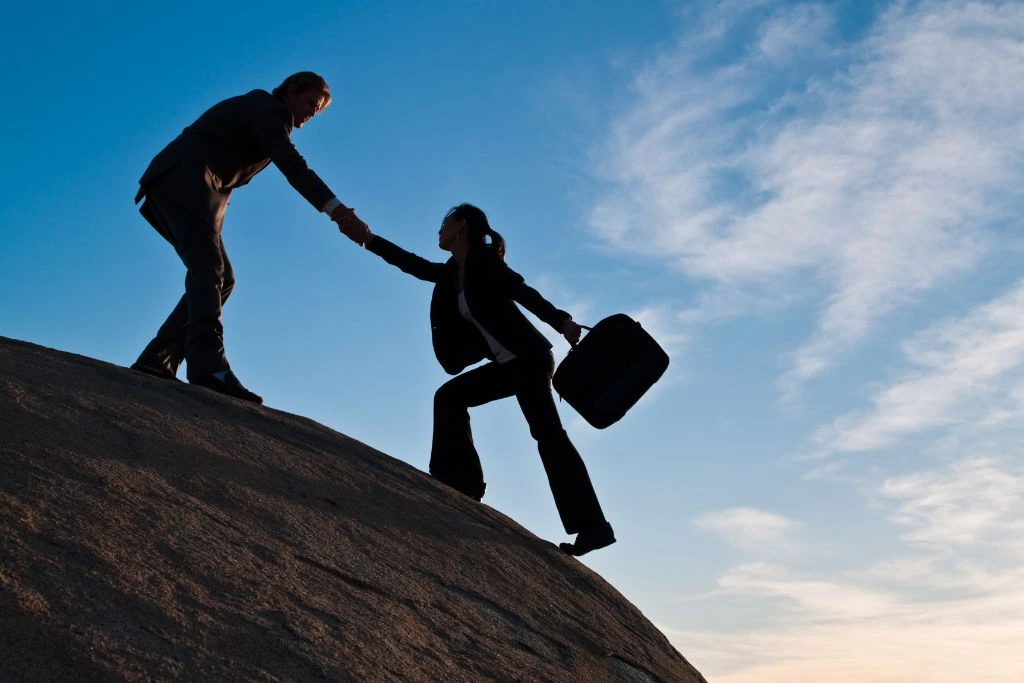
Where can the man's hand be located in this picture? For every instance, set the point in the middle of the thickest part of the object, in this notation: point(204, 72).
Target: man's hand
point(571, 331)
point(351, 225)
point(356, 230)
point(341, 211)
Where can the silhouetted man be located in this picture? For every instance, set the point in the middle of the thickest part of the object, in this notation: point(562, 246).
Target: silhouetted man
point(186, 190)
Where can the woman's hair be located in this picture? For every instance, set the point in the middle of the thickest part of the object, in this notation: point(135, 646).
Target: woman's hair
point(479, 228)
point(305, 80)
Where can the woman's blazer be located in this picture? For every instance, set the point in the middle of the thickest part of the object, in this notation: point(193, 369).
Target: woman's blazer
point(492, 290)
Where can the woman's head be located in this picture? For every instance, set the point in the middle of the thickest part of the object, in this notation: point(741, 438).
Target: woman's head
point(468, 224)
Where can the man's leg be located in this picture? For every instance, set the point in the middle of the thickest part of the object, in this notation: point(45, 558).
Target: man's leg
point(208, 281)
point(200, 248)
point(165, 353)
point(453, 457)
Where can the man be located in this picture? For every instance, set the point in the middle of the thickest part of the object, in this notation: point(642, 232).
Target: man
point(186, 190)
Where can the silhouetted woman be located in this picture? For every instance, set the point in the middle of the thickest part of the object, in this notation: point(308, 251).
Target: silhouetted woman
point(473, 315)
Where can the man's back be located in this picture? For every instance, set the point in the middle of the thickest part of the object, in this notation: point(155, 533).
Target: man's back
point(223, 149)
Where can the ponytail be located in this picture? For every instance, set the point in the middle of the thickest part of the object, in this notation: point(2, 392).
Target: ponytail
point(480, 231)
point(497, 243)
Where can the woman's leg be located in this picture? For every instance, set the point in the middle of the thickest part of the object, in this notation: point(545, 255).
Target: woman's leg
point(567, 474)
point(453, 458)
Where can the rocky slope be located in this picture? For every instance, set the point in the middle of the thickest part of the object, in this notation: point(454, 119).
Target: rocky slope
point(160, 531)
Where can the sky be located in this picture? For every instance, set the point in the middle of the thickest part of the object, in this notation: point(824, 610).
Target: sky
point(814, 207)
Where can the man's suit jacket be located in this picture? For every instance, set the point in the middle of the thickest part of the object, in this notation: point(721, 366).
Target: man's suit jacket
point(225, 147)
point(492, 290)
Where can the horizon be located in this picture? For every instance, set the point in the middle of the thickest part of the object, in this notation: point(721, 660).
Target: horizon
point(813, 207)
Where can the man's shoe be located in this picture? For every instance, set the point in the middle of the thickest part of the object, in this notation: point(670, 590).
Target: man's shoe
point(226, 383)
point(152, 371)
point(590, 539)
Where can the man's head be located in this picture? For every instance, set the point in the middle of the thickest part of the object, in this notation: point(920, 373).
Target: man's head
point(306, 94)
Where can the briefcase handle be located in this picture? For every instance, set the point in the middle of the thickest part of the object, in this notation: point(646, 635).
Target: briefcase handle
point(588, 329)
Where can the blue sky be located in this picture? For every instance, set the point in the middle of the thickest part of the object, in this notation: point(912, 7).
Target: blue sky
point(813, 206)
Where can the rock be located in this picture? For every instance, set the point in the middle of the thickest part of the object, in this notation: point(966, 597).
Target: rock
point(155, 530)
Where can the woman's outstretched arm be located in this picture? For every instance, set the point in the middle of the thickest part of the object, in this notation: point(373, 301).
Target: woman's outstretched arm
point(406, 261)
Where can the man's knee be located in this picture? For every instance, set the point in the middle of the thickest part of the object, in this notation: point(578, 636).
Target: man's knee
point(227, 284)
point(205, 275)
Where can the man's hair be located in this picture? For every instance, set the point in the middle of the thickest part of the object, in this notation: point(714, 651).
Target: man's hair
point(305, 80)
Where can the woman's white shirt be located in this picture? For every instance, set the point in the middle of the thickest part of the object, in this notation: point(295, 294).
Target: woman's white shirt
point(501, 354)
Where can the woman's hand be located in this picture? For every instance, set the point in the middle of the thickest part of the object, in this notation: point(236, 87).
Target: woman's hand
point(351, 225)
point(571, 331)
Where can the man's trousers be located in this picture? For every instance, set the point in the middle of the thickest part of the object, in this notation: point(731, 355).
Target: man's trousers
point(193, 331)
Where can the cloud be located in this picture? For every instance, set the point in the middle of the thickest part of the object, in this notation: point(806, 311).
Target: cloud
point(863, 174)
point(788, 37)
point(775, 156)
point(1012, 411)
point(963, 369)
point(752, 530)
point(947, 572)
point(665, 325)
point(960, 504)
point(811, 597)
point(843, 629)
point(947, 606)
point(925, 648)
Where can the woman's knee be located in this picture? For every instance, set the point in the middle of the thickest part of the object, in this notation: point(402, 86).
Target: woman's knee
point(447, 396)
point(548, 434)
point(540, 366)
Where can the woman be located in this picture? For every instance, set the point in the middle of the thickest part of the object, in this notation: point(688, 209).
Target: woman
point(473, 315)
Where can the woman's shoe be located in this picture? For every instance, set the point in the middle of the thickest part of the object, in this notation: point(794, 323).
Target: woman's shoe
point(593, 538)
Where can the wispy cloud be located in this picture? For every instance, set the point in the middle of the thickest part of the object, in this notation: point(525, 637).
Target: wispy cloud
point(950, 597)
point(751, 530)
point(979, 356)
point(928, 646)
point(663, 323)
point(773, 156)
point(960, 504)
point(845, 628)
point(811, 597)
point(787, 37)
point(864, 173)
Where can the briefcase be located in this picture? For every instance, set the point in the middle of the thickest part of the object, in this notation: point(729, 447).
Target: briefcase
point(609, 370)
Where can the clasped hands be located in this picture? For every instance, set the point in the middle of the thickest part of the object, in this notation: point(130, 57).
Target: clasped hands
point(350, 225)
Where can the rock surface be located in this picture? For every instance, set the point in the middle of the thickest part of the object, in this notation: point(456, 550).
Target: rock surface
point(153, 530)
